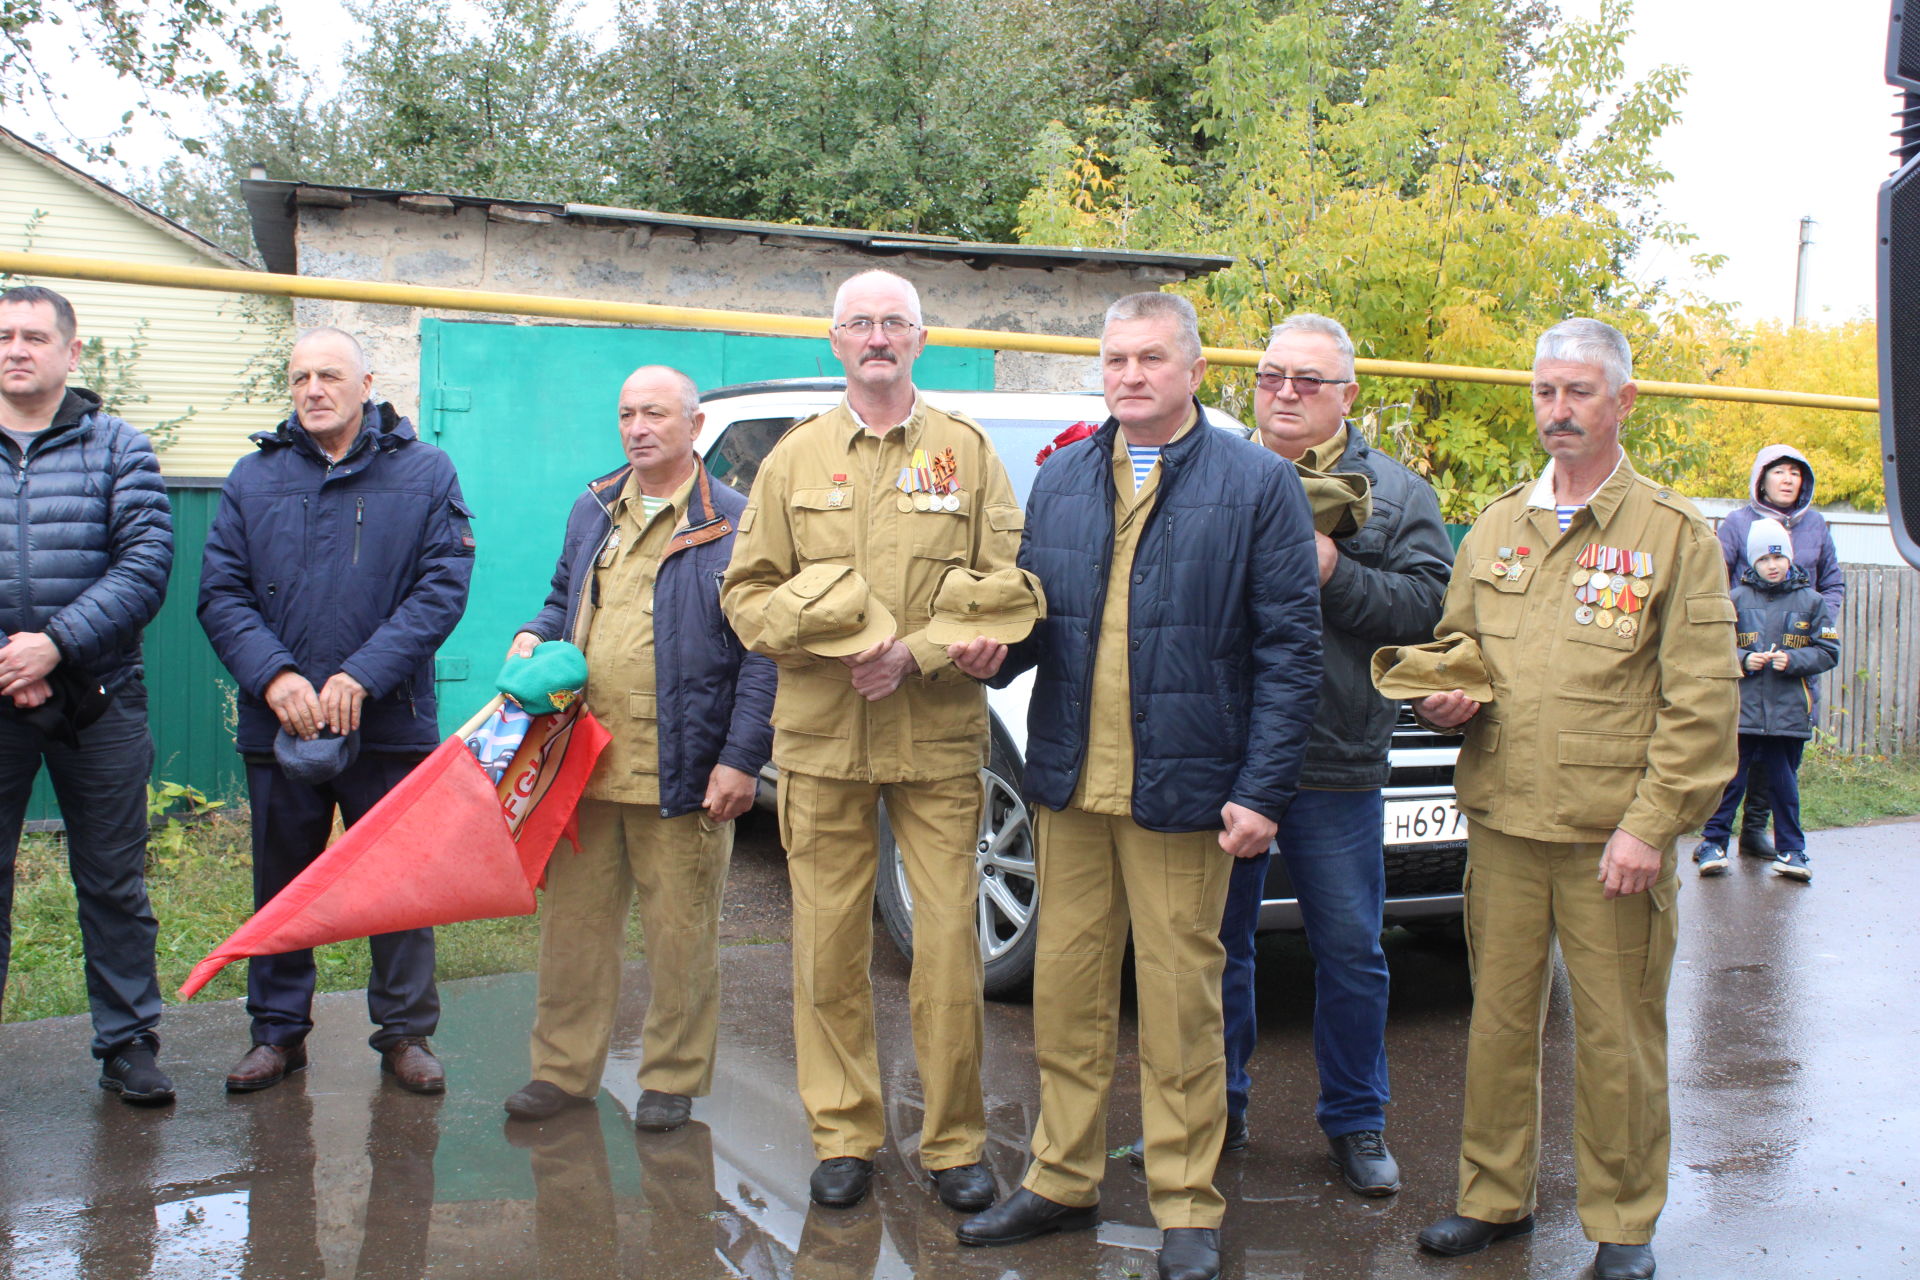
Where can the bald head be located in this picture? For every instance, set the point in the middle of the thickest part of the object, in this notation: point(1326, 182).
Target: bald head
point(659, 419)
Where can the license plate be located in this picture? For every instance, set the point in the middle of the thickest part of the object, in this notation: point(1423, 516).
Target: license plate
point(1432, 821)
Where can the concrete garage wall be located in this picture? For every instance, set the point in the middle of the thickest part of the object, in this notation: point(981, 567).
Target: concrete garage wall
point(521, 251)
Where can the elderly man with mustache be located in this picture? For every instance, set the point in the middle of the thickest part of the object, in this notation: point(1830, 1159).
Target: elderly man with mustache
point(1597, 600)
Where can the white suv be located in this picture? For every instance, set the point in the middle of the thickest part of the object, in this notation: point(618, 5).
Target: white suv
point(1425, 836)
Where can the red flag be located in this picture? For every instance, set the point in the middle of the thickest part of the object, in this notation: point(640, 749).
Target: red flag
point(541, 787)
point(435, 850)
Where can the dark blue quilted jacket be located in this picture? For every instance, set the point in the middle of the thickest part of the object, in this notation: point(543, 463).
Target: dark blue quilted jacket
point(86, 536)
point(359, 566)
point(715, 699)
point(1223, 629)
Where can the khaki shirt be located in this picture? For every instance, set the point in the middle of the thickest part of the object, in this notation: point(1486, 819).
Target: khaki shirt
point(826, 495)
point(1624, 721)
point(619, 646)
point(1106, 771)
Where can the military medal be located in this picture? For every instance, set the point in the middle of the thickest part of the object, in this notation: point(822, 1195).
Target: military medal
point(950, 503)
point(903, 503)
point(922, 501)
point(1598, 579)
point(1579, 577)
point(838, 498)
point(1603, 618)
point(1583, 615)
point(1627, 628)
point(1499, 568)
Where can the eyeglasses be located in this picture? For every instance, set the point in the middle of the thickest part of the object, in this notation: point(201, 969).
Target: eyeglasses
point(1304, 385)
point(892, 326)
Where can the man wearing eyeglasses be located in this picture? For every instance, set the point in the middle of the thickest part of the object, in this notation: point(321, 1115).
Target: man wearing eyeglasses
point(900, 492)
point(1384, 558)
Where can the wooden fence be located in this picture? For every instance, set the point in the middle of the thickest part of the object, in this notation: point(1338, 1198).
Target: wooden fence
point(1873, 695)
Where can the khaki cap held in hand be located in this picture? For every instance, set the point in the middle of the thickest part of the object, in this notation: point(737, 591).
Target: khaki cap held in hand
point(1002, 605)
point(827, 609)
point(1439, 666)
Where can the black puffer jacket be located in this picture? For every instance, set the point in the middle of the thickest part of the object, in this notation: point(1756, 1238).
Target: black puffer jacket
point(1386, 589)
point(1223, 629)
point(86, 537)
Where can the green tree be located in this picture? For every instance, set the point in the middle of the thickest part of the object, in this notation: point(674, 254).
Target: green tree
point(164, 52)
point(1476, 189)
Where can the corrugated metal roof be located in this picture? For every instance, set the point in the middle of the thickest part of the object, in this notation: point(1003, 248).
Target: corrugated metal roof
point(274, 207)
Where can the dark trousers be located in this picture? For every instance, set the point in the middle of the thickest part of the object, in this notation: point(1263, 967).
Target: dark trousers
point(1777, 759)
point(1331, 843)
point(1759, 808)
point(102, 789)
point(291, 822)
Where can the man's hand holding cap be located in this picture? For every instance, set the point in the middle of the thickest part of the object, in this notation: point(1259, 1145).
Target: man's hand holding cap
point(827, 610)
point(1002, 605)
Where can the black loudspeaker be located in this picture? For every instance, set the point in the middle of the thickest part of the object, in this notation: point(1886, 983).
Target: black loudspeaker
point(1899, 293)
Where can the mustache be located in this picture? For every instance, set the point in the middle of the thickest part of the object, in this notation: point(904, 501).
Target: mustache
point(1565, 427)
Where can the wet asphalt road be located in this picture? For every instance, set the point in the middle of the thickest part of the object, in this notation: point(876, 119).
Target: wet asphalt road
point(1796, 1101)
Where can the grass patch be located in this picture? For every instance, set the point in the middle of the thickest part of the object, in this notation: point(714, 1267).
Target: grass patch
point(200, 880)
point(1844, 791)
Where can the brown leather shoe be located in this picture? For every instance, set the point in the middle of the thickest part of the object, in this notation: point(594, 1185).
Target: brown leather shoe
point(266, 1065)
point(413, 1066)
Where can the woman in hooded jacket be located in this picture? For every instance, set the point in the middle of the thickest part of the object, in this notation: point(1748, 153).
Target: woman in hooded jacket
point(1781, 488)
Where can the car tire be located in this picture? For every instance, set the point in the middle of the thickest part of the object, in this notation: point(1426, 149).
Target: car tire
point(1009, 888)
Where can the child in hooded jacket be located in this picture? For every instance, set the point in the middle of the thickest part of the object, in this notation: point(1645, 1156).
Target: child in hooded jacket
point(1786, 636)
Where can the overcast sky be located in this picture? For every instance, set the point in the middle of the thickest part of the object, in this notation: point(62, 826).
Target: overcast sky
point(1786, 115)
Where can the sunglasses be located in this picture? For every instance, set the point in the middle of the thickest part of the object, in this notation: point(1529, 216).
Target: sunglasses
point(1304, 385)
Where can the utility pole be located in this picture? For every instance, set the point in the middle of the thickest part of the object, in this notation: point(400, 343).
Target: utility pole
point(1800, 271)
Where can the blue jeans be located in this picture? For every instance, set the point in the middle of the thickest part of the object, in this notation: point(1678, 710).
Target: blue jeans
point(1331, 843)
point(102, 789)
point(1777, 759)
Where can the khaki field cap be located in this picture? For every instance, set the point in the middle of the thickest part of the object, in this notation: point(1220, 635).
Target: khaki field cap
point(1439, 666)
point(1002, 606)
point(827, 609)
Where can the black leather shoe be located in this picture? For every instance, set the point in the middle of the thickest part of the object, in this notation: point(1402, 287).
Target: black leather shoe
point(968, 1187)
point(1365, 1163)
point(1623, 1262)
point(841, 1182)
point(136, 1077)
point(542, 1100)
point(266, 1065)
point(1456, 1235)
point(1237, 1139)
point(1189, 1253)
point(1023, 1216)
point(1755, 844)
point(658, 1112)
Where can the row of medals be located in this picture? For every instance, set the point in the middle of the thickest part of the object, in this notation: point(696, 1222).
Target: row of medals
point(929, 486)
point(1611, 584)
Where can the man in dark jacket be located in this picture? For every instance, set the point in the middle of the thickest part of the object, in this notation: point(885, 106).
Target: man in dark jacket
point(638, 589)
point(87, 537)
point(338, 562)
point(1178, 671)
point(1384, 559)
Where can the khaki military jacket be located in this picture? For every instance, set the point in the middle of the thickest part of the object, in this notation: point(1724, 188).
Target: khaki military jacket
point(829, 493)
point(1612, 708)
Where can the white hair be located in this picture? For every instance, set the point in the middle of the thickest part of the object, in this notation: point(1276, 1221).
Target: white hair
point(1324, 326)
point(873, 277)
point(1161, 306)
point(689, 390)
point(353, 344)
point(1586, 341)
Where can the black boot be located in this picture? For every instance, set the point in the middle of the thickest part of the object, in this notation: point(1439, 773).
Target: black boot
point(1755, 816)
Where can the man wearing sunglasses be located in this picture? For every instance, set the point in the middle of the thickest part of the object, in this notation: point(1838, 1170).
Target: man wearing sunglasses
point(1383, 573)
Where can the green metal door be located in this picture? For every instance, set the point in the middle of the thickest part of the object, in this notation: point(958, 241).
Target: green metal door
point(528, 414)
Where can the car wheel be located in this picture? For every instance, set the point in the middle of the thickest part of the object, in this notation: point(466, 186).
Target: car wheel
point(1009, 888)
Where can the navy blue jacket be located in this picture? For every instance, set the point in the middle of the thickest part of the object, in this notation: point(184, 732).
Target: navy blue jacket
point(713, 698)
point(1223, 627)
point(1790, 615)
point(87, 538)
point(320, 567)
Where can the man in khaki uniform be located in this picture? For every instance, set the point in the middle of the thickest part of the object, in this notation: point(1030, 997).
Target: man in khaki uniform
point(1177, 672)
point(1598, 601)
point(688, 710)
point(899, 491)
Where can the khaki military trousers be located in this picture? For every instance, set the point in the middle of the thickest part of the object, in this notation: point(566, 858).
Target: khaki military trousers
point(679, 867)
point(1521, 894)
point(830, 831)
point(1098, 873)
